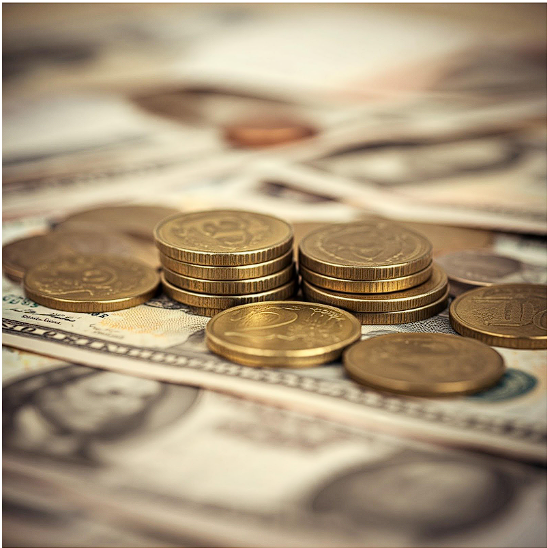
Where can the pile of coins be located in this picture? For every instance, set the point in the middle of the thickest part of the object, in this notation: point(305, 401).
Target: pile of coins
point(96, 260)
point(214, 260)
point(379, 270)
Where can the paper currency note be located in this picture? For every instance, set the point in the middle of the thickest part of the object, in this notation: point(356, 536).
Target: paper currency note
point(163, 340)
point(175, 462)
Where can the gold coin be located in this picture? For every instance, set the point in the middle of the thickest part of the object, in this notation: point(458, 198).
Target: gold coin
point(227, 272)
point(202, 300)
point(136, 220)
point(424, 364)
point(20, 255)
point(231, 287)
point(91, 283)
point(404, 316)
point(510, 315)
point(421, 295)
point(285, 334)
point(266, 132)
point(205, 311)
point(223, 237)
point(363, 286)
point(373, 249)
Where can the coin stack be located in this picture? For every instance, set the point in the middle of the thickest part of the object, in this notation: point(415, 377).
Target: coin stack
point(379, 270)
point(213, 260)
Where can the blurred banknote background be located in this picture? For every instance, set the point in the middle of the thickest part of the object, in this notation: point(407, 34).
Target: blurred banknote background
point(121, 428)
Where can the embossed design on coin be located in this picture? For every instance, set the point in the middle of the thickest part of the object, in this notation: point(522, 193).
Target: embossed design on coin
point(91, 283)
point(510, 315)
point(365, 250)
point(223, 237)
point(287, 334)
point(20, 255)
point(424, 364)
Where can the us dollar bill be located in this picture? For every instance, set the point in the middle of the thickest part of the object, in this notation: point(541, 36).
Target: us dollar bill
point(163, 340)
point(137, 458)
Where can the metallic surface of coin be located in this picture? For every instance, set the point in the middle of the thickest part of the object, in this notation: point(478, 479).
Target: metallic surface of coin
point(404, 316)
point(510, 315)
point(372, 249)
point(137, 220)
point(231, 287)
point(266, 132)
point(227, 272)
point(363, 286)
point(424, 364)
point(20, 255)
point(202, 300)
point(479, 267)
point(91, 283)
point(223, 237)
point(421, 295)
point(285, 334)
point(210, 312)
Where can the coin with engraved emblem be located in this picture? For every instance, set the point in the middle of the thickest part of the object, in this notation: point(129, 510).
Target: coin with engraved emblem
point(364, 286)
point(136, 220)
point(424, 364)
point(284, 334)
point(223, 237)
point(510, 315)
point(372, 249)
point(20, 255)
point(231, 287)
point(203, 300)
point(227, 272)
point(91, 283)
point(421, 295)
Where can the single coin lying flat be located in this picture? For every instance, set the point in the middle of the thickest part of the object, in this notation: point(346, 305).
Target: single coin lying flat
point(424, 364)
point(91, 283)
point(510, 315)
point(282, 333)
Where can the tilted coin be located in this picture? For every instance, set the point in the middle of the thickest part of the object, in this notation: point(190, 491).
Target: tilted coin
point(137, 220)
point(228, 272)
point(202, 300)
point(20, 255)
point(510, 315)
point(424, 364)
point(372, 249)
point(285, 334)
point(223, 237)
point(421, 295)
point(404, 316)
point(231, 287)
point(364, 286)
point(91, 283)
point(267, 132)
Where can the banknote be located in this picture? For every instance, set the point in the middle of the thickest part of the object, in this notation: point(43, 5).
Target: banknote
point(174, 462)
point(162, 339)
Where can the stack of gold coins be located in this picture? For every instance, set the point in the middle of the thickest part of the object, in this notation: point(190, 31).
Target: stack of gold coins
point(213, 260)
point(379, 270)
